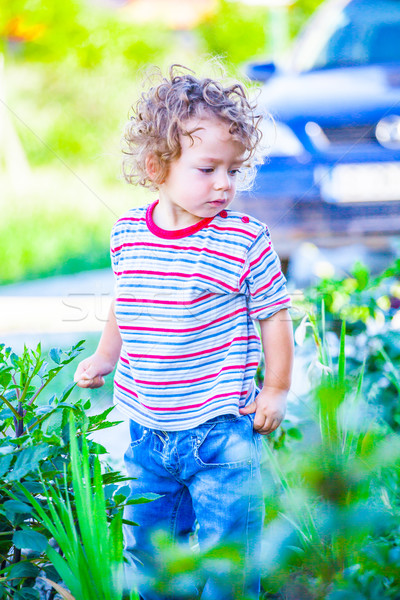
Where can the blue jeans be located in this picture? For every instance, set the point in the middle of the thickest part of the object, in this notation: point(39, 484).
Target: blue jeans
point(209, 475)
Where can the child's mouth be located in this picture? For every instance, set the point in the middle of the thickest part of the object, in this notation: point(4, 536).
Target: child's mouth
point(219, 202)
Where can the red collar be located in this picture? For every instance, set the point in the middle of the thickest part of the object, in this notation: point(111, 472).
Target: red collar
point(170, 234)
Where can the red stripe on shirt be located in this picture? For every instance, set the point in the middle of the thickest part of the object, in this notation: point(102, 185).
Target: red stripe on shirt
point(204, 378)
point(181, 248)
point(189, 406)
point(199, 353)
point(256, 310)
point(130, 392)
point(267, 285)
point(132, 219)
point(132, 328)
point(253, 236)
point(151, 301)
point(176, 274)
point(243, 277)
point(263, 253)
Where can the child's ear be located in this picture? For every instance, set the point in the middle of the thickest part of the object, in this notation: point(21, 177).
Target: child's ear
point(153, 168)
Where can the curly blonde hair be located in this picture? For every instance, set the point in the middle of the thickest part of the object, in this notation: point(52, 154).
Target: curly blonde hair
point(159, 117)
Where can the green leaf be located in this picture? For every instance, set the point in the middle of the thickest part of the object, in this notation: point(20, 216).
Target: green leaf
point(24, 569)
point(361, 274)
point(16, 507)
point(98, 449)
point(67, 391)
point(10, 394)
point(122, 492)
point(5, 377)
point(101, 416)
point(26, 594)
point(342, 356)
point(42, 410)
point(28, 538)
point(130, 523)
point(104, 425)
point(51, 573)
point(53, 422)
point(28, 460)
point(294, 433)
point(13, 358)
point(33, 486)
point(143, 499)
point(5, 462)
point(55, 355)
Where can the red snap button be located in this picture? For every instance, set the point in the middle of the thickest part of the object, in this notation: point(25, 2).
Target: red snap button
point(245, 219)
point(223, 214)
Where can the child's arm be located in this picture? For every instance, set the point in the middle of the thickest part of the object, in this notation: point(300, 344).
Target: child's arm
point(90, 371)
point(270, 404)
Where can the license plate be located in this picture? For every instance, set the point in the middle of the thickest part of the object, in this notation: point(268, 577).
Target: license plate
point(367, 182)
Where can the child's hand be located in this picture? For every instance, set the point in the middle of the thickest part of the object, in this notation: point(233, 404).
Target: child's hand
point(270, 408)
point(90, 371)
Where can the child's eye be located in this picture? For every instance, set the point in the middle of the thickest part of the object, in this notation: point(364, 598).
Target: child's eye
point(234, 172)
point(206, 170)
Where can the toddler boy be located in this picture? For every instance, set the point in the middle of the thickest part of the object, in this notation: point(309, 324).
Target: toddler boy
point(192, 278)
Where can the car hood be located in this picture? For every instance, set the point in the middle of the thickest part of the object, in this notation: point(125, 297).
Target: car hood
point(336, 95)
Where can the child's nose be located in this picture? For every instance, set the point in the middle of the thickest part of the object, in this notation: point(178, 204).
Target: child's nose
point(222, 181)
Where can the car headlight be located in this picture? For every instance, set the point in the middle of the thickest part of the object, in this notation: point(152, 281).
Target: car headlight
point(278, 139)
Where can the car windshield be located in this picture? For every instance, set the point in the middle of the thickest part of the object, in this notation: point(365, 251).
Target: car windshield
point(360, 32)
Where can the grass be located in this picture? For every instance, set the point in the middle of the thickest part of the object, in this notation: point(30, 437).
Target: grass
point(60, 222)
point(91, 564)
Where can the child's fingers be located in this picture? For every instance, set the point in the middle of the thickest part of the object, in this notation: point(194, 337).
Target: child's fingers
point(269, 425)
point(81, 376)
point(81, 368)
point(88, 377)
point(94, 382)
point(248, 410)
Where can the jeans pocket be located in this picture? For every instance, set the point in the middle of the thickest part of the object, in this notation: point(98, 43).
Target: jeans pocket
point(224, 444)
point(138, 433)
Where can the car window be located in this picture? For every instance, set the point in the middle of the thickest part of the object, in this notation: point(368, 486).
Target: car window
point(360, 32)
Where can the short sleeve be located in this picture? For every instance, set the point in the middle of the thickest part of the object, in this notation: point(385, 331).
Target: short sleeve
point(115, 247)
point(262, 280)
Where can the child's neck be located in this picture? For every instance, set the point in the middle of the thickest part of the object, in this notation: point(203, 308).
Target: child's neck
point(172, 217)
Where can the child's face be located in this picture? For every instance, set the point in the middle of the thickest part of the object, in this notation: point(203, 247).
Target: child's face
point(202, 181)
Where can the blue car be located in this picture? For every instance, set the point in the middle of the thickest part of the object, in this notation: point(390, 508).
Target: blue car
point(331, 173)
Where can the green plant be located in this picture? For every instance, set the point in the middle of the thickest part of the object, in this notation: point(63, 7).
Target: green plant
point(339, 489)
point(222, 31)
point(369, 304)
point(35, 437)
point(91, 560)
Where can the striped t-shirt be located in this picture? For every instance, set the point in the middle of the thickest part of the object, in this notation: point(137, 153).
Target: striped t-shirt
point(186, 301)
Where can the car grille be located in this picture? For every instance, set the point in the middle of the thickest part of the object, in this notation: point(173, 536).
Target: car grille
point(351, 135)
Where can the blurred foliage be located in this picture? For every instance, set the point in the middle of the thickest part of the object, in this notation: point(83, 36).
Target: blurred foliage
point(332, 470)
point(237, 32)
point(222, 32)
point(85, 33)
point(68, 215)
point(369, 304)
point(299, 12)
point(72, 69)
point(332, 473)
point(71, 73)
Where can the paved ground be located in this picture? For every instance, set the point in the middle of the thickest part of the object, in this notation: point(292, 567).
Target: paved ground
point(56, 307)
point(60, 311)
